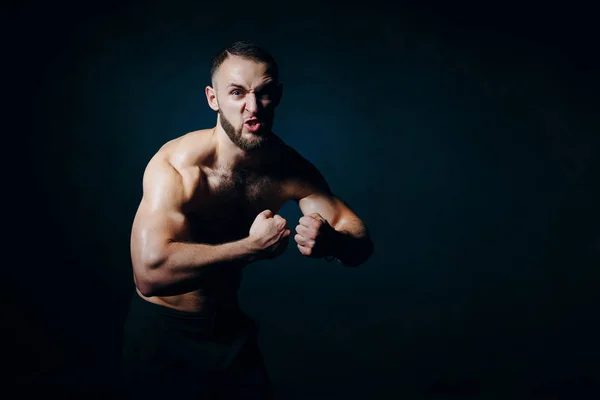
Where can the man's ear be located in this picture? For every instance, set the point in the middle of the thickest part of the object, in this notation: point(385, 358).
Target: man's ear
point(278, 94)
point(211, 97)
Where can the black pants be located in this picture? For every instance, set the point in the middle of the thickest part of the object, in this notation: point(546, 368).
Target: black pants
point(173, 353)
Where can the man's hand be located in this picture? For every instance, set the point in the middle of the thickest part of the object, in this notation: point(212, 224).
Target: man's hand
point(268, 234)
point(314, 236)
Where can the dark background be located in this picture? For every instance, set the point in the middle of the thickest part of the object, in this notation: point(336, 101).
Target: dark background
point(464, 134)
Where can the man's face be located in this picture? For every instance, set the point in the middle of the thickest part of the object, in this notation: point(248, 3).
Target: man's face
point(246, 96)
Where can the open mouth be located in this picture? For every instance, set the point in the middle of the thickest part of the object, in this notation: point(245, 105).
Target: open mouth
point(252, 125)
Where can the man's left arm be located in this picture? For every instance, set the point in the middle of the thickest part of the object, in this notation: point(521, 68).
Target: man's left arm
point(330, 228)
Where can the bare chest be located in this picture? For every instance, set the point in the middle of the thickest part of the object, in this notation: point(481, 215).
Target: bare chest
point(226, 205)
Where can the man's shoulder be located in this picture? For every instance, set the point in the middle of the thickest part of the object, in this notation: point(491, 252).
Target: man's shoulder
point(180, 159)
point(292, 160)
point(182, 155)
point(187, 150)
point(296, 171)
point(285, 154)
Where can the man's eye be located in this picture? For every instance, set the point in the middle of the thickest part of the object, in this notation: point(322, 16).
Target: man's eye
point(265, 94)
point(236, 92)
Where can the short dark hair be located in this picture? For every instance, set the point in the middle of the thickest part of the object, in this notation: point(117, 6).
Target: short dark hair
point(247, 50)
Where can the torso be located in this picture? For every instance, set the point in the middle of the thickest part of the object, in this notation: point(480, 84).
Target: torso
point(221, 208)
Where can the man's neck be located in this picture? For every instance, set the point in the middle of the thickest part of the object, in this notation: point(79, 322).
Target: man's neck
point(230, 156)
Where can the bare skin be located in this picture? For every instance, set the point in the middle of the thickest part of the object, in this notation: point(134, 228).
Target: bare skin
point(211, 197)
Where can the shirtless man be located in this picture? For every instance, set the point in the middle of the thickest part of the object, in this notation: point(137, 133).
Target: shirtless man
point(209, 207)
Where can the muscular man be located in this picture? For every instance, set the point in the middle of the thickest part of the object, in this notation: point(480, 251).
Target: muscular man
point(209, 207)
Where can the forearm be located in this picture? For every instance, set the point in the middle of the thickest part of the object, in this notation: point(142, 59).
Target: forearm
point(352, 244)
point(181, 265)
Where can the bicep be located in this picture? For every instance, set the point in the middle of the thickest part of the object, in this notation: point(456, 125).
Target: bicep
point(159, 219)
point(328, 205)
point(312, 192)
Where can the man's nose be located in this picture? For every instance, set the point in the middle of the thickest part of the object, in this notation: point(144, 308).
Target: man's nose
point(251, 103)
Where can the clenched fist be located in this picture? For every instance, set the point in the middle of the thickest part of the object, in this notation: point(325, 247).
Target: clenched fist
point(314, 236)
point(269, 234)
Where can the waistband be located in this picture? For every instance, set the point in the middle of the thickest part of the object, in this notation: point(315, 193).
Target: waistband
point(219, 322)
point(137, 301)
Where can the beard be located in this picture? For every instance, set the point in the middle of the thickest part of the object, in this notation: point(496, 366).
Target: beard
point(256, 141)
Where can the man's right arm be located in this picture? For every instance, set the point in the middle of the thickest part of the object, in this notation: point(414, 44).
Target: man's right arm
point(165, 263)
